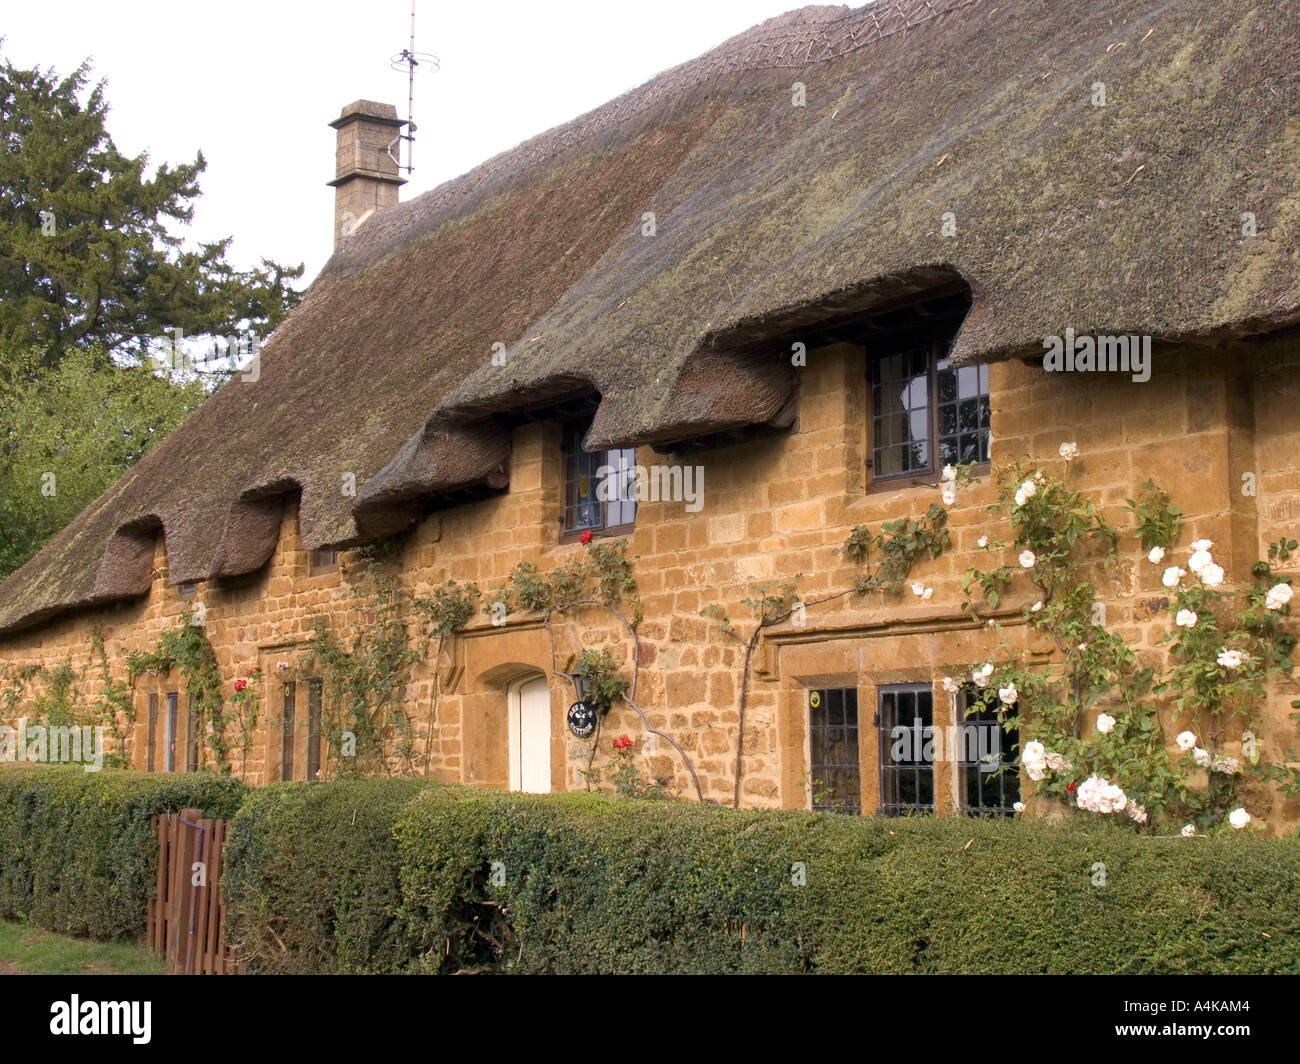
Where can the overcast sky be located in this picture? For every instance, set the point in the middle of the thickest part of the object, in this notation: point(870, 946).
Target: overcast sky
point(253, 83)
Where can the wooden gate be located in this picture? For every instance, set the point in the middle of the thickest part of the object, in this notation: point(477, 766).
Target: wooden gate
point(187, 920)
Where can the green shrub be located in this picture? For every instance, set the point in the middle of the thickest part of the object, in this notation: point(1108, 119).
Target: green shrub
point(311, 878)
point(77, 855)
point(594, 884)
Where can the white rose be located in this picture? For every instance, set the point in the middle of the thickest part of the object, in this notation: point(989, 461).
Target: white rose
point(1105, 723)
point(1008, 694)
point(1025, 492)
point(1019, 807)
point(1172, 575)
point(983, 541)
point(1278, 596)
point(1186, 740)
point(949, 474)
point(1027, 559)
point(1186, 619)
point(1069, 451)
point(1057, 763)
point(1035, 607)
point(1212, 575)
point(982, 674)
point(1156, 555)
point(948, 495)
point(1188, 830)
point(1202, 544)
point(917, 587)
point(950, 685)
point(1199, 560)
point(1034, 759)
point(1201, 757)
point(1239, 818)
point(1231, 659)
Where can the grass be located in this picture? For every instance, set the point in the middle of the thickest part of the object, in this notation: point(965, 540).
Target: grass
point(33, 951)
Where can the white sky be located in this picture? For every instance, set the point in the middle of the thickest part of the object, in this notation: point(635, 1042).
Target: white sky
point(253, 83)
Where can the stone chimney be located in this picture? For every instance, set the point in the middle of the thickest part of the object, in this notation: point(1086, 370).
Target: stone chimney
point(366, 174)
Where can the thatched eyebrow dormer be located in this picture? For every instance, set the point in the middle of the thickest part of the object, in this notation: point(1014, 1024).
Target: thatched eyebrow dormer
point(1123, 218)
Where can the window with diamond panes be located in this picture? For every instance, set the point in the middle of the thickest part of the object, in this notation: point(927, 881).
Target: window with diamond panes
point(834, 775)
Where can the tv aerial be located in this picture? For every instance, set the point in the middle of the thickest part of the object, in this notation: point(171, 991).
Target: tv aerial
point(410, 60)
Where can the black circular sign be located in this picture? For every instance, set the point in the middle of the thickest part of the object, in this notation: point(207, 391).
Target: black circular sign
point(582, 719)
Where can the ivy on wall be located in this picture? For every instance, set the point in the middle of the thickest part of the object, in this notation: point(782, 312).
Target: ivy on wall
point(186, 649)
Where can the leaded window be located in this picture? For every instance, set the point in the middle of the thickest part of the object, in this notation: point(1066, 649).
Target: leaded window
point(925, 412)
point(989, 772)
point(835, 776)
point(905, 722)
point(599, 486)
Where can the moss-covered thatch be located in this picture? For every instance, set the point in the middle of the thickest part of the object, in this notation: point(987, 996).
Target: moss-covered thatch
point(1122, 218)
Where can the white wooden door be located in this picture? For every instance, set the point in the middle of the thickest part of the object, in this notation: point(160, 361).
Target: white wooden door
point(530, 736)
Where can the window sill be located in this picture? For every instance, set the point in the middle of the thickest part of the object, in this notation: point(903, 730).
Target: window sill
point(618, 532)
point(926, 480)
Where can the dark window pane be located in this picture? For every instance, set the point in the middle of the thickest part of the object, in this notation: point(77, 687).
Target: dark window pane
point(287, 732)
point(151, 738)
point(834, 773)
point(906, 739)
point(990, 774)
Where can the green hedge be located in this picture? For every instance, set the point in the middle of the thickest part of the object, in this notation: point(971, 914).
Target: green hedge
point(76, 852)
point(311, 878)
point(592, 883)
point(398, 876)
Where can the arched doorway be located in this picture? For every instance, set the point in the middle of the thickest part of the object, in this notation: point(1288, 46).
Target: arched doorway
point(529, 730)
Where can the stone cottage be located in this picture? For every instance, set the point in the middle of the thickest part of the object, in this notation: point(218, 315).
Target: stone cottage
point(763, 299)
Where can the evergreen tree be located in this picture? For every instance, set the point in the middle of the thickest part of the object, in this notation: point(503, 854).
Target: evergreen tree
point(87, 258)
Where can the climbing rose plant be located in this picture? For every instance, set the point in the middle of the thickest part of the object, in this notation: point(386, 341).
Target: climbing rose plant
point(1091, 721)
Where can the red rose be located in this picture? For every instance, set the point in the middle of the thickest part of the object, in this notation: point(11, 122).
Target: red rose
point(622, 743)
point(240, 684)
point(585, 538)
point(1070, 787)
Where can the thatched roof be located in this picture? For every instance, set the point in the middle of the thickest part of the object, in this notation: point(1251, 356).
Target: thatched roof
point(1120, 218)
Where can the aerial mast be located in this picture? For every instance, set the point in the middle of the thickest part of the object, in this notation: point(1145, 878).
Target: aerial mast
point(410, 60)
